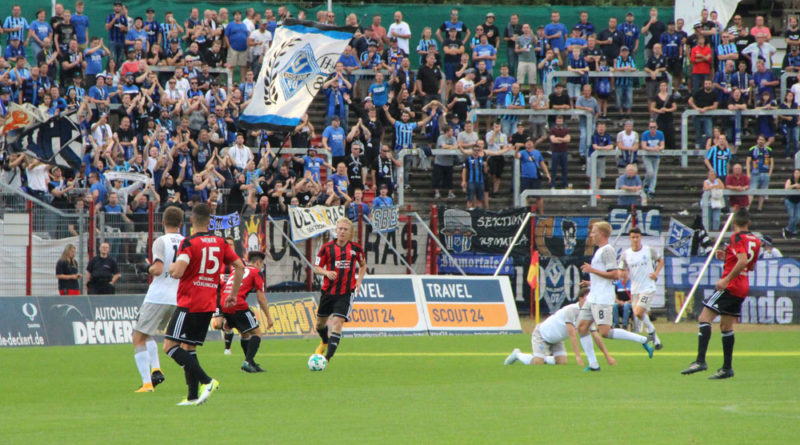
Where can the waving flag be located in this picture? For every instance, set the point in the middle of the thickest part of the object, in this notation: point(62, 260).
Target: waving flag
point(533, 271)
point(57, 140)
point(302, 56)
point(18, 118)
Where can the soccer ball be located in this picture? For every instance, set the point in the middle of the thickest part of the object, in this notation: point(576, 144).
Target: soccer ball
point(317, 362)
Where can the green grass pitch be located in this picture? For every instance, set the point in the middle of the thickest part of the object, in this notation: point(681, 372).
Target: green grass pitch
point(410, 390)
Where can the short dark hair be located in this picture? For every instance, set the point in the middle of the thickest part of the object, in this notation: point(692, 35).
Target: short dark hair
point(741, 218)
point(635, 230)
point(173, 217)
point(255, 255)
point(201, 213)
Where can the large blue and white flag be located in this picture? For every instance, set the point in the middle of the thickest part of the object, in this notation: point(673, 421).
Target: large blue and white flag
point(302, 56)
point(57, 140)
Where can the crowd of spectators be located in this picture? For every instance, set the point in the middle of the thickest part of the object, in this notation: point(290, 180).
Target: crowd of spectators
point(150, 101)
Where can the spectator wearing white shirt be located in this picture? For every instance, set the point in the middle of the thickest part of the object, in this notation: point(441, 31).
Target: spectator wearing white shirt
point(240, 154)
point(258, 42)
point(496, 140)
point(769, 251)
point(400, 30)
point(37, 180)
point(181, 82)
point(760, 49)
point(102, 135)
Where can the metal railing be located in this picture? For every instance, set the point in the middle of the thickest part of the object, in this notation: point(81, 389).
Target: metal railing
point(689, 113)
point(784, 81)
point(592, 194)
point(171, 68)
point(441, 151)
point(595, 74)
point(530, 112)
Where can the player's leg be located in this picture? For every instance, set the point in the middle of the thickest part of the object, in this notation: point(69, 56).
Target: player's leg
point(218, 323)
point(558, 354)
point(726, 329)
point(165, 312)
point(640, 311)
point(323, 313)
point(142, 359)
point(704, 333)
point(584, 323)
point(602, 318)
point(185, 331)
point(248, 326)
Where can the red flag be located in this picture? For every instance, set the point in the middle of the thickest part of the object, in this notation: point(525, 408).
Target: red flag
point(533, 271)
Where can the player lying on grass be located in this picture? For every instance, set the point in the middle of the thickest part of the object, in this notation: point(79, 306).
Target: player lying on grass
point(740, 257)
point(600, 302)
point(241, 316)
point(159, 302)
point(337, 261)
point(548, 338)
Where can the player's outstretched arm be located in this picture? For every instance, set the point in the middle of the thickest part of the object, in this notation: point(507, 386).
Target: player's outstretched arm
point(573, 341)
point(598, 340)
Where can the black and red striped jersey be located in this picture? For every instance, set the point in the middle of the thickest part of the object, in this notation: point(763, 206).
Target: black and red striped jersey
point(342, 259)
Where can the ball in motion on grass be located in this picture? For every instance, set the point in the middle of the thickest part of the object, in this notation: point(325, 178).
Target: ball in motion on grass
point(317, 362)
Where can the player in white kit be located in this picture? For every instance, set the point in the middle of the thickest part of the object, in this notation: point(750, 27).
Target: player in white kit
point(547, 339)
point(159, 302)
point(602, 272)
point(641, 265)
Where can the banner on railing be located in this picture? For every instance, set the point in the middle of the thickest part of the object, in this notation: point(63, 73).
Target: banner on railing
point(648, 219)
point(483, 231)
point(384, 219)
point(312, 221)
point(474, 264)
point(679, 238)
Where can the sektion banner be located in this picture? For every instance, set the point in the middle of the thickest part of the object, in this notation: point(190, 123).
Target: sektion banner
point(482, 231)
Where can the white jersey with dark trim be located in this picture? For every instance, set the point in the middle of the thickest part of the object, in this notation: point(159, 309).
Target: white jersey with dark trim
point(164, 289)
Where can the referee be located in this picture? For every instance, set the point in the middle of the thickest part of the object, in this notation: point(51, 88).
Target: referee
point(337, 261)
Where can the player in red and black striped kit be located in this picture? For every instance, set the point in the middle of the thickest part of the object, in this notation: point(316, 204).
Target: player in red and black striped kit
point(740, 257)
point(337, 261)
point(197, 266)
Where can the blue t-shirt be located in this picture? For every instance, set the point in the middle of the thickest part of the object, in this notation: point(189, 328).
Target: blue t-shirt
point(529, 163)
point(335, 140)
point(112, 209)
point(352, 211)
point(81, 23)
point(652, 141)
point(553, 28)
point(94, 61)
point(499, 81)
point(340, 183)
point(41, 29)
point(379, 93)
point(380, 201)
point(767, 76)
point(759, 157)
point(133, 34)
point(237, 34)
point(575, 41)
point(313, 165)
point(349, 61)
point(485, 50)
point(624, 180)
point(101, 189)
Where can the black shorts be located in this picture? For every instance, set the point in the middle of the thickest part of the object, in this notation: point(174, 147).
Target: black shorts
point(188, 327)
point(338, 305)
point(496, 166)
point(530, 184)
point(244, 321)
point(675, 67)
point(723, 303)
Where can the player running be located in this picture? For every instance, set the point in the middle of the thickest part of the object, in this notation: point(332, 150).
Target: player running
point(197, 266)
point(337, 261)
point(240, 316)
point(159, 302)
point(602, 272)
point(548, 338)
point(641, 265)
point(740, 257)
point(218, 320)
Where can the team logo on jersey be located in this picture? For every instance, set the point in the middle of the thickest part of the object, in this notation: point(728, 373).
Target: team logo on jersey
point(342, 264)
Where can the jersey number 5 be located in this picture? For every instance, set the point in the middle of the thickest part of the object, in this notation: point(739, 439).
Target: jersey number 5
point(750, 252)
point(209, 256)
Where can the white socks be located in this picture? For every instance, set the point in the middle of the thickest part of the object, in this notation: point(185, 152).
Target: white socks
point(152, 351)
point(648, 324)
point(622, 334)
point(142, 363)
point(550, 360)
point(525, 358)
point(588, 349)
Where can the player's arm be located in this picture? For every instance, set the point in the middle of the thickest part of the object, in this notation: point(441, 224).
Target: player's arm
point(362, 271)
point(659, 266)
point(157, 268)
point(573, 341)
point(322, 258)
point(262, 302)
point(741, 264)
point(177, 268)
point(238, 274)
point(598, 340)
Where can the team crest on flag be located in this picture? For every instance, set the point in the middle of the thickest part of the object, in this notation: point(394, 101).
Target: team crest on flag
point(302, 56)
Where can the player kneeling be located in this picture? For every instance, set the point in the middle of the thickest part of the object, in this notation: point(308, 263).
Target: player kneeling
point(240, 316)
point(548, 338)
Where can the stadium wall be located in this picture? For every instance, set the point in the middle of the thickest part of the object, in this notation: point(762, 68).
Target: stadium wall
point(416, 15)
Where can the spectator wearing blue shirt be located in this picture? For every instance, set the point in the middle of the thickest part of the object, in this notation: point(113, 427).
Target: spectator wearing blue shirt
point(81, 23)
point(515, 100)
point(586, 27)
point(236, 34)
point(502, 86)
point(15, 25)
point(485, 52)
point(403, 132)
point(333, 141)
point(349, 63)
point(764, 79)
point(136, 33)
point(340, 180)
point(652, 145)
point(94, 59)
point(312, 164)
point(40, 29)
point(601, 141)
point(575, 39)
point(14, 48)
point(556, 33)
point(383, 199)
point(624, 85)
point(338, 98)
point(532, 170)
point(152, 28)
point(576, 64)
point(379, 91)
point(97, 189)
point(358, 207)
point(630, 33)
point(631, 183)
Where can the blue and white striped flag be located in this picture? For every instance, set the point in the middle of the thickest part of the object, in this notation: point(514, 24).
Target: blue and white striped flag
point(57, 140)
point(302, 56)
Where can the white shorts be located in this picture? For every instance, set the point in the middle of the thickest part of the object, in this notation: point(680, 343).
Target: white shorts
point(643, 300)
point(153, 318)
point(599, 313)
point(542, 349)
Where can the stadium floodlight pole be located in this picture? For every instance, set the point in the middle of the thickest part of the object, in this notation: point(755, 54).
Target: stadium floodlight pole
point(622, 229)
point(513, 242)
point(705, 267)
